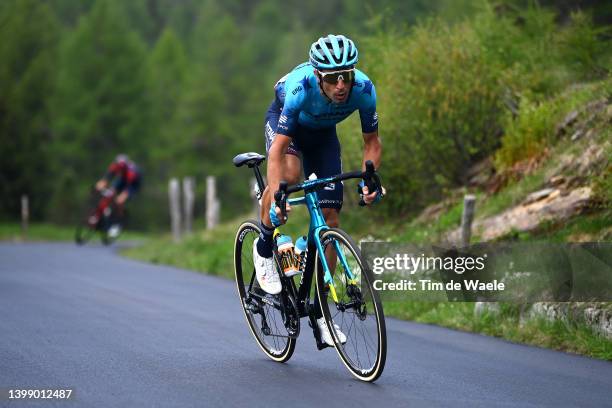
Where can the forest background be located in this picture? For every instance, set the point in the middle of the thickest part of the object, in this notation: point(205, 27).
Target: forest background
point(182, 86)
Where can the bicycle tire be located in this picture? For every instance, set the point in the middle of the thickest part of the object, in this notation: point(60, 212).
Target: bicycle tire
point(277, 348)
point(365, 351)
point(83, 233)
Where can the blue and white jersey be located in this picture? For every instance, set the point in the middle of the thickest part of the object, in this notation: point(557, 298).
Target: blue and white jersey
point(302, 102)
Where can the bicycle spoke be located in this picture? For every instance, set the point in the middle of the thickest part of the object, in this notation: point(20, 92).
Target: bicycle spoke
point(261, 310)
point(356, 312)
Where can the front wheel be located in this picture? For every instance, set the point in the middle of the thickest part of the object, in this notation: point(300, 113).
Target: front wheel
point(357, 310)
point(264, 313)
point(84, 232)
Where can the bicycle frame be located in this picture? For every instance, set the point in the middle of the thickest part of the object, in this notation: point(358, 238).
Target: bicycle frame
point(317, 225)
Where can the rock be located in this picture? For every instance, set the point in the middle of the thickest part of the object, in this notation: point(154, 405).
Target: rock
point(538, 195)
point(433, 211)
point(481, 308)
point(528, 216)
point(576, 135)
point(480, 173)
point(597, 316)
point(565, 163)
point(556, 180)
point(591, 158)
point(549, 311)
point(567, 121)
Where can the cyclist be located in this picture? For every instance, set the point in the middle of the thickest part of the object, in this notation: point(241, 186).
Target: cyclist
point(300, 129)
point(125, 178)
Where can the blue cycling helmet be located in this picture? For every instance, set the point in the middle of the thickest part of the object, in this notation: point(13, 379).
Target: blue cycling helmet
point(333, 52)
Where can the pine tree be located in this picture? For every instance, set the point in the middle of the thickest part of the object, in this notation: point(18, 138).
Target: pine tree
point(99, 108)
point(167, 69)
point(28, 40)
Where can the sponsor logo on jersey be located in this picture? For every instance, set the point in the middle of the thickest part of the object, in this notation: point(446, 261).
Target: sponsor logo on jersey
point(337, 114)
point(282, 119)
point(296, 90)
point(269, 132)
point(330, 187)
point(375, 122)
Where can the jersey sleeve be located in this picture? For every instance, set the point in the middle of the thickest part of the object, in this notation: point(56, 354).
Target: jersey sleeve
point(294, 101)
point(367, 108)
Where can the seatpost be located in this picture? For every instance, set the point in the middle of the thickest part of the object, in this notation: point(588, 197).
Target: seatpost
point(260, 182)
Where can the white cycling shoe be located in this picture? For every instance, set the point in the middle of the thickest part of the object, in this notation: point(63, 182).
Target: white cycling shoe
point(114, 231)
point(326, 335)
point(266, 274)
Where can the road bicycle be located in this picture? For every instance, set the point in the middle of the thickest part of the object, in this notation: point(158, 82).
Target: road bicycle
point(343, 292)
point(101, 218)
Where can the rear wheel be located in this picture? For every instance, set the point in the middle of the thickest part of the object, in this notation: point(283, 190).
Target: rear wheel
point(261, 310)
point(357, 312)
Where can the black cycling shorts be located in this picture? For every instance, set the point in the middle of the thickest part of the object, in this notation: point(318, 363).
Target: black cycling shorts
point(320, 153)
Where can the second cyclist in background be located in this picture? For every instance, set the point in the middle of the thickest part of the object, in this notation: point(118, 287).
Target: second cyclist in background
point(124, 178)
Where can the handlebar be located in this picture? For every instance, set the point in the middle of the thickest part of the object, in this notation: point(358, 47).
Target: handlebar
point(370, 177)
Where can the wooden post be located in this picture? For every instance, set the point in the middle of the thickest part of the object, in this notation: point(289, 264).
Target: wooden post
point(175, 208)
point(254, 190)
point(212, 204)
point(469, 203)
point(188, 202)
point(25, 215)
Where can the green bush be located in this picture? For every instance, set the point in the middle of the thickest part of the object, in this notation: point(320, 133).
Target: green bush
point(448, 92)
point(440, 107)
point(534, 128)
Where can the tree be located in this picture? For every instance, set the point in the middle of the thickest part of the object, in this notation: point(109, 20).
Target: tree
point(99, 108)
point(27, 55)
point(167, 69)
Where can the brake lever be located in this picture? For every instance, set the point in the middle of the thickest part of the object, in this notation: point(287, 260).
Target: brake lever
point(371, 179)
point(280, 197)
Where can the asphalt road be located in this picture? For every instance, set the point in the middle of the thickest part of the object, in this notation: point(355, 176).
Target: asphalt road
point(122, 333)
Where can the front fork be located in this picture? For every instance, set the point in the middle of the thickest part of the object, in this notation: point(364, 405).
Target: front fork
point(328, 278)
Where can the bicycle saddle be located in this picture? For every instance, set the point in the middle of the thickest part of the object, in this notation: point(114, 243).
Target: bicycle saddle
point(250, 159)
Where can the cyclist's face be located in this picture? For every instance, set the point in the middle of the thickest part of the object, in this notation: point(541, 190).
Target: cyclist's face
point(338, 92)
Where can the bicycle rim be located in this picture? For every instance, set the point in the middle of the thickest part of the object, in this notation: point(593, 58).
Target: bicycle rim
point(274, 341)
point(358, 312)
point(83, 233)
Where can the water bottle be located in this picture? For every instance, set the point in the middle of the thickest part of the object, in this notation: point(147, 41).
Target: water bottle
point(300, 252)
point(287, 255)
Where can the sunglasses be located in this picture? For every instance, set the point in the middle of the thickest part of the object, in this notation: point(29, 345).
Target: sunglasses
point(347, 75)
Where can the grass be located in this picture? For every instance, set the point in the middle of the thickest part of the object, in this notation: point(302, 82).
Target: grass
point(595, 226)
point(11, 231)
point(507, 323)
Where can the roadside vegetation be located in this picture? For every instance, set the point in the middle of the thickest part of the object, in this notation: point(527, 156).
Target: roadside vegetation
point(35, 232)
